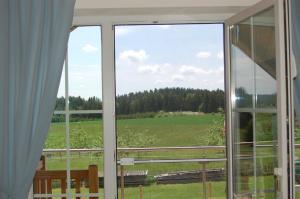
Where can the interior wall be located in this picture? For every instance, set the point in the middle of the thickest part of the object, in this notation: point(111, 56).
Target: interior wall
point(89, 4)
point(90, 11)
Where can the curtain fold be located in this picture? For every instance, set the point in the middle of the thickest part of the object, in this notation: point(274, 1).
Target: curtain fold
point(295, 6)
point(33, 39)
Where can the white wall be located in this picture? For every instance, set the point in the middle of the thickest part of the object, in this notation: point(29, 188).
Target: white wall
point(218, 9)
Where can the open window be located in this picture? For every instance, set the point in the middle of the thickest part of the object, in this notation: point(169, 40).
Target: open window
point(256, 113)
point(257, 103)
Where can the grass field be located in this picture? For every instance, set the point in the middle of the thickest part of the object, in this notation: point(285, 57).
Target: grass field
point(178, 130)
point(167, 131)
point(184, 191)
point(148, 132)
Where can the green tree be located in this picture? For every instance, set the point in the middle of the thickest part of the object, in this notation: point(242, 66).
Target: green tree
point(216, 132)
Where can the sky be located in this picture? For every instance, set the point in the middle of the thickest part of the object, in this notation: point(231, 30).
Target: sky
point(148, 57)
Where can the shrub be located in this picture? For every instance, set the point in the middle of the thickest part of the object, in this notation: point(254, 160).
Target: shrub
point(216, 131)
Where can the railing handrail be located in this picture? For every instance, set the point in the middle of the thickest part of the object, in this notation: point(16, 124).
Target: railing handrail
point(139, 149)
point(195, 160)
point(150, 149)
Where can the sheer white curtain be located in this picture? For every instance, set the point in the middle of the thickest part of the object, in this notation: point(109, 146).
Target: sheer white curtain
point(296, 49)
point(33, 42)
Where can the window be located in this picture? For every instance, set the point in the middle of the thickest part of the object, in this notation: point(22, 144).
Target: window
point(74, 145)
point(170, 111)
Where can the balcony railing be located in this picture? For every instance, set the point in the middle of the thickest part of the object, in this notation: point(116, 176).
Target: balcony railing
point(204, 161)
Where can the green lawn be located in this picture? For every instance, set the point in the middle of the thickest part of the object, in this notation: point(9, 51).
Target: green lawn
point(173, 130)
point(178, 130)
point(168, 131)
point(178, 191)
point(182, 191)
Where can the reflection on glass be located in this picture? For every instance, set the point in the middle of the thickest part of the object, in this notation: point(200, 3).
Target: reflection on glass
point(265, 89)
point(244, 154)
point(265, 59)
point(266, 150)
point(242, 65)
point(255, 126)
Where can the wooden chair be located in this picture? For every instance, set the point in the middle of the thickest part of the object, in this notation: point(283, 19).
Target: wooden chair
point(43, 179)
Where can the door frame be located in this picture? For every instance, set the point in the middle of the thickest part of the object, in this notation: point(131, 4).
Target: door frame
point(282, 91)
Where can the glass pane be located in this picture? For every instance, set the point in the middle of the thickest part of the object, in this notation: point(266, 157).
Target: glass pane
point(297, 155)
point(255, 125)
point(55, 146)
point(266, 154)
point(243, 155)
point(85, 92)
point(53, 159)
point(84, 56)
point(170, 181)
point(170, 107)
point(242, 64)
point(60, 100)
point(86, 140)
point(265, 59)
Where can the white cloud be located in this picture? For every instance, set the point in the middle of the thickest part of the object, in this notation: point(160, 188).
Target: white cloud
point(119, 31)
point(88, 48)
point(188, 70)
point(178, 78)
point(161, 81)
point(154, 69)
point(220, 55)
point(133, 56)
point(193, 70)
point(148, 69)
point(203, 54)
point(167, 82)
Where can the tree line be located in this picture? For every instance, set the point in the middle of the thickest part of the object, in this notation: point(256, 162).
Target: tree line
point(171, 100)
point(152, 101)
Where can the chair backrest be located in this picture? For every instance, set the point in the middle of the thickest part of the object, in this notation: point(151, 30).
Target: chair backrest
point(43, 179)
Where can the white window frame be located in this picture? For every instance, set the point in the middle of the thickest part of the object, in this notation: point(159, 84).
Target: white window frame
point(108, 24)
point(285, 110)
point(67, 113)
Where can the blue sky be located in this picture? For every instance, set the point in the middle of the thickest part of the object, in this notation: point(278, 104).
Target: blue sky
point(148, 57)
